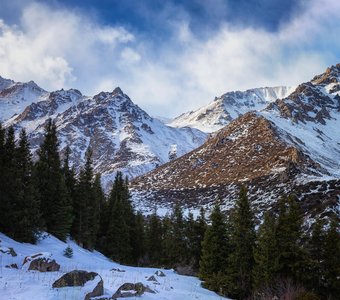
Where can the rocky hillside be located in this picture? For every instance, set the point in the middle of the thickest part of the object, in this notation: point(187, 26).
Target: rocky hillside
point(228, 107)
point(121, 135)
point(291, 146)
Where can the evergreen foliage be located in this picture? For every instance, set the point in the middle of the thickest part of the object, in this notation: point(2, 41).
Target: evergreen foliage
point(215, 247)
point(53, 196)
point(265, 253)
point(118, 239)
point(86, 206)
point(288, 239)
point(242, 241)
point(68, 252)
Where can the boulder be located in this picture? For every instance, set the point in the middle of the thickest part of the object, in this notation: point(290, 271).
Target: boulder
point(152, 278)
point(44, 264)
point(9, 251)
point(81, 278)
point(12, 266)
point(131, 290)
point(160, 273)
point(117, 270)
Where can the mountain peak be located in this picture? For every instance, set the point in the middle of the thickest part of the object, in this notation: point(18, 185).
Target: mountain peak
point(117, 91)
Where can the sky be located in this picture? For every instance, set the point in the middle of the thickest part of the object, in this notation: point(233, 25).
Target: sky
point(169, 56)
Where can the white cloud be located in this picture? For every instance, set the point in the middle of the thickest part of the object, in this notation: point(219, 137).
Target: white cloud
point(59, 48)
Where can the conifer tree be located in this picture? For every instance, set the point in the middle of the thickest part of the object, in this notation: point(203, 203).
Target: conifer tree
point(138, 239)
point(265, 253)
point(331, 261)
point(9, 184)
point(242, 239)
point(314, 278)
point(154, 240)
point(86, 207)
point(49, 182)
point(3, 198)
point(288, 237)
point(176, 245)
point(27, 213)
point(69, 174)
point(118, 239)
point(195, 230)
point(215, 248)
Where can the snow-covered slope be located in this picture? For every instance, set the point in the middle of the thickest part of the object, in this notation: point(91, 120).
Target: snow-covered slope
point(122, 136)
point(228, 107)
point(15, 96)
point(311, 117)
point(21, 284)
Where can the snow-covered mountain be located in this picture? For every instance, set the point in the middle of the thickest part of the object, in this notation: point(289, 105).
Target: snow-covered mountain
point(229, 106)
point(290, 146)
point(121, 135)
point(17, 282)
point(15, 96)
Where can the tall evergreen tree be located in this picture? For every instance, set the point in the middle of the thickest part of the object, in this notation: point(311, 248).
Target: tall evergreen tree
point(265, 253)
point(3, 197)
point(241, 260)
point(174, 241)
point(27, 213)
point(9, 184)
point(288, 237)
point(118, 238)
point(138, 239)
point(153, 243)
point(49, 182)
point(331, 262)
point(215, 248)
point(194, 235)
point(86, 207)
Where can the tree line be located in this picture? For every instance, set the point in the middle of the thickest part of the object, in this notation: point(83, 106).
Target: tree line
point(230, 253)
point(49, 195)
point(279, 259)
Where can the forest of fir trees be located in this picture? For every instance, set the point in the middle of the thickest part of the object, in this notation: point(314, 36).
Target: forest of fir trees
point(234, 254)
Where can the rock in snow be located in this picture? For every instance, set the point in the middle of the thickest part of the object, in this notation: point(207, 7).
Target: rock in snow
point(91, 280)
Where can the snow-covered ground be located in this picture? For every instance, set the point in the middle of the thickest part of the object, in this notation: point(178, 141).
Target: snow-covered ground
point(22, 284)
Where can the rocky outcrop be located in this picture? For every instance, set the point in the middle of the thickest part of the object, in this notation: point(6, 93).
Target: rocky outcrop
point(81, 278)
point(41, 262)
point(9, 251)
point(131, 290)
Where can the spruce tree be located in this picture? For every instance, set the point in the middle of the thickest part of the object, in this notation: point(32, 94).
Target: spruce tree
point(86, 207)
point(9, 184)
point(138, 239)
point(49, 182)
point(153, 241)
point(176, 245)
point(118, 238)
point(288, 236)
point(331, 262)
point(314, 278)
point(194, 235)
point(215, 248)
point(242, 240)
point(27, 213)
point(265, 253)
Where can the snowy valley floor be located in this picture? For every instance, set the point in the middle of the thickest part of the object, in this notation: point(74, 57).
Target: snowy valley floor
point(22, 284)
